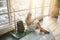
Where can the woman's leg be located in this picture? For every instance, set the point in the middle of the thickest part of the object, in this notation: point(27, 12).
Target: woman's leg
point(41, 29)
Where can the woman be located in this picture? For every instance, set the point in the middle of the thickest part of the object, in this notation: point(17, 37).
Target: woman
point(33, 24)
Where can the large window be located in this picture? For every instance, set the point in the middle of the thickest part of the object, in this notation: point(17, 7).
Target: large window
point(3, 13)
point(36, 7)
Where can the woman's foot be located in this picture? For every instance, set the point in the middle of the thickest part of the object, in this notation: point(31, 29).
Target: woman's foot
point(45, 31)
point(41, 29)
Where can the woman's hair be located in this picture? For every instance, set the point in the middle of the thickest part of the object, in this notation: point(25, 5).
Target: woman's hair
point(28, 18)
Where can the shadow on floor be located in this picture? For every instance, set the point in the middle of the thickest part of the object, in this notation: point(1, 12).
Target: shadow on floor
point(7, 36)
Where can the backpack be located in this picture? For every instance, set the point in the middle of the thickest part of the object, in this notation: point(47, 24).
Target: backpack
point(20, 27)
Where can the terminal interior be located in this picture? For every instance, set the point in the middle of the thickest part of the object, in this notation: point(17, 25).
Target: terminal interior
point(12, 11)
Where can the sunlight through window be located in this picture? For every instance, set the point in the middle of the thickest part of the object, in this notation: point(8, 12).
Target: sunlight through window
point(36, 7)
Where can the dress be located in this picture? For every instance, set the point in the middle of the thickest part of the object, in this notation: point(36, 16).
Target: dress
point(32, 27)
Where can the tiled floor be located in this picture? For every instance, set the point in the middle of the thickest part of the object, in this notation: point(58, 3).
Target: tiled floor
point(53, 25)
point(35, 36)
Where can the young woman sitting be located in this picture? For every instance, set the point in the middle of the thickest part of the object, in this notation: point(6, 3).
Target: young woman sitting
point(33, 24)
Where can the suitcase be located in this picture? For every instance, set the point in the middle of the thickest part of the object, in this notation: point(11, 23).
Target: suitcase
point(20, 27)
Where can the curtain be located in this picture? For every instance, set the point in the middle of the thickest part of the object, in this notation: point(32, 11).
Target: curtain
point(54, 8)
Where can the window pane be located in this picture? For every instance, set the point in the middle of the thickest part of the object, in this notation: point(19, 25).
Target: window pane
point(2, 3)
point(4, 19)
point(20, 15)
point(3, 10)
point(47, 2)
point(38, 12)
point(20, 4)
point(3, 13)
point(46, 10)
point(3, 7)
point(36, 3)
point(33, 13)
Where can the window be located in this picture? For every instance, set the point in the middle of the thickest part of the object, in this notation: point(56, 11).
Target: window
point(23, 7)
point(2, 3)
point(36, 3)
point(46, 7)
point(20, 4)
point(3, 13)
